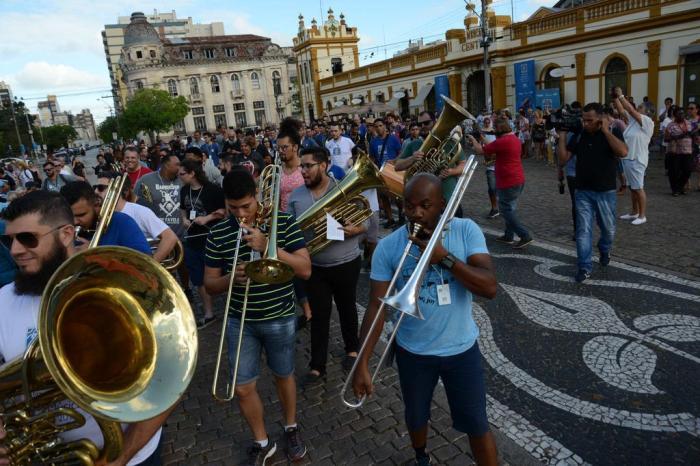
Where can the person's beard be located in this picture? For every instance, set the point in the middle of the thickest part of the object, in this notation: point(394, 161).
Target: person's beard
point(35, 283)
point(315, 181)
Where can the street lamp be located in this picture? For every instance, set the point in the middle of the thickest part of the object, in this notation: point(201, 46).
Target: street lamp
point(485, 42)
point(14, 119)
point(29, 128)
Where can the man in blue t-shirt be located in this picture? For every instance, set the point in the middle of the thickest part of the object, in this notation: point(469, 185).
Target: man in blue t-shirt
point(442, 345)
point(383, 147)
point(211, 148)
point(122, 229)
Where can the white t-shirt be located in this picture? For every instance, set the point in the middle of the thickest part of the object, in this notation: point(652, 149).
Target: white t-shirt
point(637, 138)
point(18, 320)
point(371, 196)
point(341, 151)
point(148, 222)
point(662, 127)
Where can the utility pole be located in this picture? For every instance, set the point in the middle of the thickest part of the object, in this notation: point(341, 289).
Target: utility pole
point(485, 41)
point(14, 119)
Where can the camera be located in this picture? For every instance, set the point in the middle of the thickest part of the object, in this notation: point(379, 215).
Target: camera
point(565, 119)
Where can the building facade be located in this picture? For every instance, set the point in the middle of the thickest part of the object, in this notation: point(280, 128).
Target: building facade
point(168, 26)
point(649, 47)
point(84, 125)
point(231, 80)
point(5, 95)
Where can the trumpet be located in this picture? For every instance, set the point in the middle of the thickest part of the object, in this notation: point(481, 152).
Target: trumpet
point(405, 301)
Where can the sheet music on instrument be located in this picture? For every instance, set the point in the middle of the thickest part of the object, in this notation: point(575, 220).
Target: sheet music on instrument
point(333, 229)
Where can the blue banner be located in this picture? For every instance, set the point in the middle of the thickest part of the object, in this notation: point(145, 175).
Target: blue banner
point(547, 99)
point(442, 87)
point(524, 74)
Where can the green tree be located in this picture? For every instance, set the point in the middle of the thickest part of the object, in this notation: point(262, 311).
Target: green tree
point(107, 128)
point(8, 133)
point(58, 136)
point(152, 111)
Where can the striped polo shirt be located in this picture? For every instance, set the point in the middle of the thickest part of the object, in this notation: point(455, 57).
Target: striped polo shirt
point(265, 301)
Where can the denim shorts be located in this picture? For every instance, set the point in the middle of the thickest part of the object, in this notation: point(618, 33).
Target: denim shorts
point(463, 378)
point(194, 261)
point(491, 181)
point(275, 336)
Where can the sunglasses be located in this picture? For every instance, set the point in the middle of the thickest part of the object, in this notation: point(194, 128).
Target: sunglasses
point(100, 187)
point(308, 166)
point(25, 238)
point(424, 123)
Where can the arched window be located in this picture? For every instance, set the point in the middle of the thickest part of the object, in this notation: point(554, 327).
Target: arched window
point(551, 82)
point(306, 72)
point(215, 88)
point(172, 87)
point(194, 86)
point(276, 83)
point(616, 74)
point(329, 107)
point(254, 80)
point(235, 82)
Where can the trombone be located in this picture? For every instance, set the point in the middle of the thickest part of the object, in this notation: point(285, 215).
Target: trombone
point(406, 300)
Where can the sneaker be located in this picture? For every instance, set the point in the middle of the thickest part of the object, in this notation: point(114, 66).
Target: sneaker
point(604, 259)
point(503, 239)
point(311, 379)
point(204, 322)
point(424, 461)
point(493, 213)
point(628, 216)
point(639, 221)
point(296, 449)
point(257, 455)
point(582, 276)
point(522, 243)
point(348, 362)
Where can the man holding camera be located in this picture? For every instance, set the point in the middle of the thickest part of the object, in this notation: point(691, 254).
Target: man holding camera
point(597, 149)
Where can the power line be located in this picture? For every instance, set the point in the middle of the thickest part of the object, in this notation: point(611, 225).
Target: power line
point(70, 94)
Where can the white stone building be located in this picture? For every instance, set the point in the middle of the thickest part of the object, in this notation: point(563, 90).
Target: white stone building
point(231, 80)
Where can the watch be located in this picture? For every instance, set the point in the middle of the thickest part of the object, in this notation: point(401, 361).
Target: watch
point(448, 261)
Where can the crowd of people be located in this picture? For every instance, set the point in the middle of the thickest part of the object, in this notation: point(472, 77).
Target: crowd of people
point(202, 192)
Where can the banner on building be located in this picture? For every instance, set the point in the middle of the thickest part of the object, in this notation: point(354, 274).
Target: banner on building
point(442, 87)
point(547, 99)
point(524, 84)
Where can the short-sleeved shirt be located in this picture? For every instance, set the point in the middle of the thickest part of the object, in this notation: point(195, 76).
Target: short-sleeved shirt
point(165, 195)
point(150, 225)
point(381, 154)
point(637, 138)
point(341, 151)
point(204, 201)
point(253, 163)
point(134, 176)
point(447, 330)
point(265, 301)
point(124, 231)
point(509, 165)
point(448, 184)
point(596, 163)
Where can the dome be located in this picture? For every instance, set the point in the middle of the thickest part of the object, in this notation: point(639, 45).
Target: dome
point(140, 32)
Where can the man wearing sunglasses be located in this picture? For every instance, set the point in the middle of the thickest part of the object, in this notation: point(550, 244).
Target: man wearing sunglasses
point(39, 236)
point(85, 205)
point(54, 180)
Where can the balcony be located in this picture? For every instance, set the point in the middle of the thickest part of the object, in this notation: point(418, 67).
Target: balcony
point(237, 94)
point(195, 98)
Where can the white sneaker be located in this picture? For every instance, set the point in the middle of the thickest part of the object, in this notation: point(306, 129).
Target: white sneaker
point(639, 221)
point(628, 216)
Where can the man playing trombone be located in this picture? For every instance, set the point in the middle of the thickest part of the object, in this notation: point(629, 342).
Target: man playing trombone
point(442, 345)
point(270, 321)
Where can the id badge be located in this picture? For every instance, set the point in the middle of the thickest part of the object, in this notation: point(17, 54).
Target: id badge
point(443, 294)
point(193, 214)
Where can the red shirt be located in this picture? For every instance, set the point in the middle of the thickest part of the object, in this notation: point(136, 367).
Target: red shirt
point(509, 166)
point(134, 176)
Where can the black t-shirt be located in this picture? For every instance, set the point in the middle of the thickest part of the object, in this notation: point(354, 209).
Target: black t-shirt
point(596, 163)
point(254, 163)
point(205, 200)
point(235, 146)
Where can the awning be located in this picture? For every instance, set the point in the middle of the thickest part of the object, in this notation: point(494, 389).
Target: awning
point(689, 49)
point(423, 92)
point(394, 102)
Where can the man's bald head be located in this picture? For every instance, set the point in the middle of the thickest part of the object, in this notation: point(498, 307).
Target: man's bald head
point(421, 182)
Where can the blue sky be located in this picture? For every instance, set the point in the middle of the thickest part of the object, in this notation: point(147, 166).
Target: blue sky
point(55, 47)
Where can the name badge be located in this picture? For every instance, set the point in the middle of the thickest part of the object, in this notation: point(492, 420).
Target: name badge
point(443, 295)
point(193, 214)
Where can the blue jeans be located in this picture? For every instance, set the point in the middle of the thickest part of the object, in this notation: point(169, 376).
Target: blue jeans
point(507, 202)
point(590, 204)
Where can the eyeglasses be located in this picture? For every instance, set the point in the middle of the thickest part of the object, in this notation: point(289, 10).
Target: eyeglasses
point(99, 187)
point(424, 123)
point(25, 238)
point(283, 147)
point(308, 166)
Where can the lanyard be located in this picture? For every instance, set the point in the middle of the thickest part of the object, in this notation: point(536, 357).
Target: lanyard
point(194, 204)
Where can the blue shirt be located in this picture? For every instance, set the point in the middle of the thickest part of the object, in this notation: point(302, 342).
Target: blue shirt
point(308, 142)
point(8, 269)
point(337, 172)
point(379, 153)
point(447, 330)
point(124, 231)
point(212, 151)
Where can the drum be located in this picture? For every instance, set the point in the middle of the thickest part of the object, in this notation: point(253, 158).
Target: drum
point(392, 179)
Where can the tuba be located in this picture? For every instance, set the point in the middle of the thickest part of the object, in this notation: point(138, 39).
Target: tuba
point(344, 202)
point(116, 337)
point(443, 146)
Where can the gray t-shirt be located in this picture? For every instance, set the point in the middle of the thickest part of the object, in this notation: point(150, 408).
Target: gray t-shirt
point(338, 252)
point(55, 186)
point(165, 196)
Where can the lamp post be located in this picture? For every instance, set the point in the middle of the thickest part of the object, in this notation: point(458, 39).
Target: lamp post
point(14, 119)
point(29, 129)
point(485, 42)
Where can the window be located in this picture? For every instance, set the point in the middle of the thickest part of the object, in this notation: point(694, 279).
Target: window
point(218, 109)
point(194, 86)
point(172, 87)
point(239, 115)
point(152, 53)
point(179, 127)
point(208, 53)
point(276, 83)
point(128, 55)
point(616, 74)
point(187, 54)
point(235, 82)
point(336, 65)
point(259, 111)
point(139, 54)
point(306, 72)
point(259, 104)
point(254, 80)
point(197, 110)
point(139, 84)
point(220, 120)
point(215, 84)
point(231, 52)
point(200, 123)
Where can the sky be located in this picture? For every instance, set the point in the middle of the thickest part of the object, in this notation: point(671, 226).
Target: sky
point(55, 46)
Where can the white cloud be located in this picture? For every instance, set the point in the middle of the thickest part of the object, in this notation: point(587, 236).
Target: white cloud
point(236, 22)
point(44, 76)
